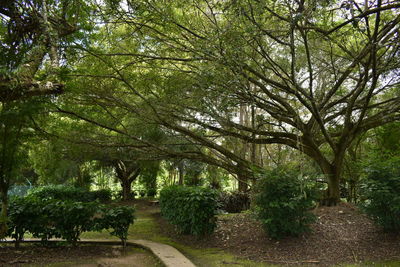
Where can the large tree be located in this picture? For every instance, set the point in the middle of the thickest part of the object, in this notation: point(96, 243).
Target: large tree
point(316, 74)
point(34, 35)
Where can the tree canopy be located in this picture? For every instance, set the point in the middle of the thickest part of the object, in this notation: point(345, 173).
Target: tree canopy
point(314, 75)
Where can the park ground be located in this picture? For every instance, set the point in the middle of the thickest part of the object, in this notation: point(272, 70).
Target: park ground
point(342, 236)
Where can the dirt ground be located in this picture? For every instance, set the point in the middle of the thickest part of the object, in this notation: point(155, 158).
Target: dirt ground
point(341, 235)
point(83, 256)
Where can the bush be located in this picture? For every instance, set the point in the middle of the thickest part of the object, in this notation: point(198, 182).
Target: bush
point(191, 209)
point(65, 219)
point(234, 202)
point(59, 192)
point(381, 194)
point(23, 215)
point(66, 192)
point(283, 203)
point(118, 219)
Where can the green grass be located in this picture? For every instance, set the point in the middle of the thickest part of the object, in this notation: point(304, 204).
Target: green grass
point(145, 227)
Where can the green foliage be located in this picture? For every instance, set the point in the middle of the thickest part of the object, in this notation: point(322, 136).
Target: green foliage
point(381, 194)
point(102, 195)
point(66, 219)
point(148, 176)
point(191, 209)
point(234, 202)
point(118, 219)
point(50, 218)
point(283, 203)
point(65, 192)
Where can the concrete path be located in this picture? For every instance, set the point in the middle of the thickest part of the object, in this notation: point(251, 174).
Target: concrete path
point(168, 255)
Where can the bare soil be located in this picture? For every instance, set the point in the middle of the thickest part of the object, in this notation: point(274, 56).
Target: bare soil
point(341, 235)
point(83, 256)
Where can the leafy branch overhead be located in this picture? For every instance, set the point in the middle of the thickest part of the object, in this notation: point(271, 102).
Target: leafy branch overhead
point(315, 75)
point(35, 35)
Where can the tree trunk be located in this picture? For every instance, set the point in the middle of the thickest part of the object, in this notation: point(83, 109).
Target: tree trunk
point(126, 189)
point(332, 173)
point(243, 185)
point(181, 173)
point(3, 214)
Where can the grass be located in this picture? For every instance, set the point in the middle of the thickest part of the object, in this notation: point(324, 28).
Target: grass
point(145, 227)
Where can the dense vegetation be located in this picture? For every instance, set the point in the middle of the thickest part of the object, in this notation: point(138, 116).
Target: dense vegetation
point(191, 209)
point(284, 202)
point(381, 194)
point(243, 104)
point(47, 218)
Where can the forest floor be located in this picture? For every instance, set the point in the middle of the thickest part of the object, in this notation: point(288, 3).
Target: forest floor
point(342, 235)
point(34, 255)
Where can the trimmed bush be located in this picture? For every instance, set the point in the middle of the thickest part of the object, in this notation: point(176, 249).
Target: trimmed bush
point(65, 219)
point(283, 203)
point(234, 202)
point(191, 209)
point(66, 192)
point(381, 194)
point(118, 219)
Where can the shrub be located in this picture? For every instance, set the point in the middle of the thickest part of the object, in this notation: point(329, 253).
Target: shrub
point(70, 218)
point(66, 192)
point(234, 202)
point(118, 219)
point(283, 203)
point(191, 209)
point(60, 192)
point(381, 194)
point(65, 219)
point(24, 216)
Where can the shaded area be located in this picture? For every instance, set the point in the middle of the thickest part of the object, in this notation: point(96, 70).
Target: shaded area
point(341, 235)
point(84, 255)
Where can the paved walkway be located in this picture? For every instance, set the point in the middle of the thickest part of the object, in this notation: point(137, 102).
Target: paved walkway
point(168, 255)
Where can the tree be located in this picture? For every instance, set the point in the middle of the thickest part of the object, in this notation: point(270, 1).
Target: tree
point(30, 31)
point(14, 134)
point(317, 74)
point(33, 34)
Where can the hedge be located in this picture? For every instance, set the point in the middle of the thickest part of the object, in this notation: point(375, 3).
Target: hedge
point(191, 209)
point(65, 219)
point(284, 202)
point(65, 192)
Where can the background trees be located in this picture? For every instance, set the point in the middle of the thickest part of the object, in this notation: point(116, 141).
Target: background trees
point(229, 84)
point(314, 76)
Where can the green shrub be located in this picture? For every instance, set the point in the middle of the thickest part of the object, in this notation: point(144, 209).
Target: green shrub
point(191, 209)
point(234, 202)
point(66, 192)
point(24, 216)
point(66, 219)
point(118, 219)
point(70, 218)
point(283, 203)
point(59, 192)
point(381, 194)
